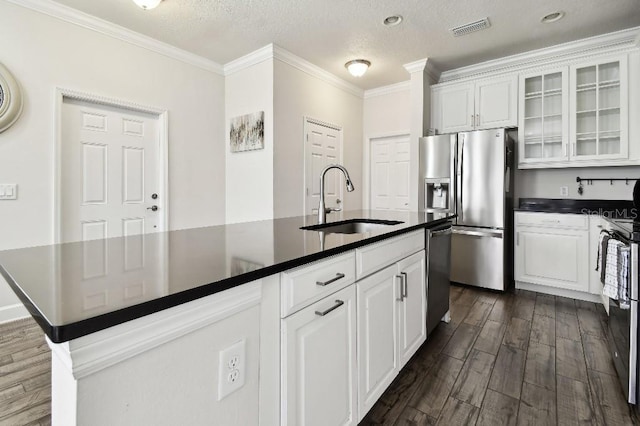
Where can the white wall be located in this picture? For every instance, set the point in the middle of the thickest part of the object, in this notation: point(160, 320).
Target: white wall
point(298, 94)
point(386, 114)
point(250, 173)
point(547, 183)
point(44, 53)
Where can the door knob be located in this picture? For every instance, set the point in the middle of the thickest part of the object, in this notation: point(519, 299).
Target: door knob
point(153, 208)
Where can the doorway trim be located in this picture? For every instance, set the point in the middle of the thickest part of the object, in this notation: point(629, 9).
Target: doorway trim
point(163, 150)
point(309, 120)
point(367, 161)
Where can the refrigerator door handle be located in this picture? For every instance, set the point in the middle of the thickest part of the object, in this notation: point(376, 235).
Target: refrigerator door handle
point(633, 353)
point(452, 173)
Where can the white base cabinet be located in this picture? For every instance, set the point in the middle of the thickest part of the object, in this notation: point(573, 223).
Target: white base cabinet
point(412, 310)
point(552, 250)
point(319, 363)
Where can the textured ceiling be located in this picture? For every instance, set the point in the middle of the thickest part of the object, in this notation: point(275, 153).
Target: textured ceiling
point(328, 33)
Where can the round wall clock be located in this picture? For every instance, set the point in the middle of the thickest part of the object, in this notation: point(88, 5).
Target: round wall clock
point(10, 99)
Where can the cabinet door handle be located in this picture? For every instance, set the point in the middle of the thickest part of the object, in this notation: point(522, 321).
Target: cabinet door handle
point(517, 238)
point(401, 298)
point(336, 306)
point(332, 280)
point(405, 285)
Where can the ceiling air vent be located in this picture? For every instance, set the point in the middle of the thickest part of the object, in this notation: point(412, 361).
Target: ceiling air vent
point(471, 27)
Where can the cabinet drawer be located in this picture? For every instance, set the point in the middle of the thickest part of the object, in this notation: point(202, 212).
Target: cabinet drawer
point(374, 257)
point(553, 220)
point(309, 283)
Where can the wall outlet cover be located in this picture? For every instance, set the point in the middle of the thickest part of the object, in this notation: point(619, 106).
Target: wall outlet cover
point(564, 191)
point(231, 368)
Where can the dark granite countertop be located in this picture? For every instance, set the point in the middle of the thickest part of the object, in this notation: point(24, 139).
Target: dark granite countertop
point(622, 209)
point(75, 289)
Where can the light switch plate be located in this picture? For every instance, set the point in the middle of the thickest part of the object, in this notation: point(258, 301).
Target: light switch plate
point(8, 191)
point(564, 191)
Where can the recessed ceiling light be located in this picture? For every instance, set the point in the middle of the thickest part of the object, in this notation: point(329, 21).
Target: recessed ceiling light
point(552, 17)
point(358, 67)
point(392, 20)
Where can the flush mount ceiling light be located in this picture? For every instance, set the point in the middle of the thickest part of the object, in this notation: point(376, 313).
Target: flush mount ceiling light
point(392, 20)
point(358, 67)
point(147, 4)
point(552, 17)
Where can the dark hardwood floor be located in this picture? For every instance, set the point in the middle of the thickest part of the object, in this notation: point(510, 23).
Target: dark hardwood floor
point(518, 358)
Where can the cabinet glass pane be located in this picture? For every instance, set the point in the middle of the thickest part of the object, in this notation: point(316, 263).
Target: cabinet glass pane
point(586, 100)
point(553, 149)
point(533, 107)
point(586, 76)
point(609, 97)
point(552, 127)
point(553, 82)
point(609, 72)
point(586, 122)
point(609, 145)
point(533, 85)
point(586, 147)
point(553, 104)
point(532, 128)
point(533, 150)
point(609, 121)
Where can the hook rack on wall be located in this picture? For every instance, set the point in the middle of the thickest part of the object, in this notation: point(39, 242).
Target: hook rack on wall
point(590, 181)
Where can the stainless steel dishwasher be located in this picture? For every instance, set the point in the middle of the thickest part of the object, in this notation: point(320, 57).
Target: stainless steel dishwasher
point(438, 274)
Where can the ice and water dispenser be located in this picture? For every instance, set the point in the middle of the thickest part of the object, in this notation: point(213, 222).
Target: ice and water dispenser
point(437, 164)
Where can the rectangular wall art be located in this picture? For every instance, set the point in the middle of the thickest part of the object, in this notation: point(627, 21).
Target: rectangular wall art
point(247, 132)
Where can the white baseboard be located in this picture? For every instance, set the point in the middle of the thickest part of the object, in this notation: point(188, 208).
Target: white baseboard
point(588, 297)
point(13, 312)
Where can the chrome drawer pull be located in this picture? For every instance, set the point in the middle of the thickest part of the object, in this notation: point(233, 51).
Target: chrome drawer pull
point(332, 280)
point(336, 306)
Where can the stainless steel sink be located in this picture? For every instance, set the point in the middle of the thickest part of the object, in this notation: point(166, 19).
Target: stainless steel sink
point(352, 226)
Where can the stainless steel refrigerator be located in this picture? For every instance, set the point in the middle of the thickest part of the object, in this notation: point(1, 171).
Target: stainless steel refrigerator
point(471, 174)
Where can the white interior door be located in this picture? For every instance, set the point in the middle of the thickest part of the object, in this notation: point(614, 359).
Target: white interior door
point(390, 173)
point(109, 172)
point(323, 147)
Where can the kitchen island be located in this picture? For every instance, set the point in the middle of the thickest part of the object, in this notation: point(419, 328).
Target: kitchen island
point(136, 324)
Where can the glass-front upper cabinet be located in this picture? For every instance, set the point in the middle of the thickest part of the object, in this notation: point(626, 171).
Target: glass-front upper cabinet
point(599, 110)
point(543, 116)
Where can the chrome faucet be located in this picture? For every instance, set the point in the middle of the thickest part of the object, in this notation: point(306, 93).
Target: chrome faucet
point(322, 209)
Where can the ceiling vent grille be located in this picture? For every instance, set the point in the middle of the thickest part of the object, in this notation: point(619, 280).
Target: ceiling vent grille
point(471, 27)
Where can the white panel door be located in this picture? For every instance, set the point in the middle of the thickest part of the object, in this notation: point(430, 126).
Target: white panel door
point(323, 147)
point(319, 363)
point(497, 103)
point(553, 257)
point(412, 309)
point(377, 336)
point(390, 163)
point(109, 171)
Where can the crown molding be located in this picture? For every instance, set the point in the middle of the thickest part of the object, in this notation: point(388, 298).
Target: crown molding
point(249, 60)
point(619, 40)
point(303, 65)
point(423, 65)
point(386, 90)
point(73, 16)
point(95, 352)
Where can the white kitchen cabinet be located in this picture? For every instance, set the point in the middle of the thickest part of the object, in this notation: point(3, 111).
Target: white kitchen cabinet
point(412, 323)
point(552, 250)
point(599, 116)
point(319, 363)
point(378, 303)
point(543, 122)
point(484, 104)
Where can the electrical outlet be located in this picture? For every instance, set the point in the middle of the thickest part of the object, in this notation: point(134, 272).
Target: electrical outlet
point(231, 368)
point(564, 191)
point(8, 191)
